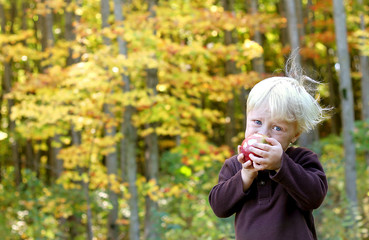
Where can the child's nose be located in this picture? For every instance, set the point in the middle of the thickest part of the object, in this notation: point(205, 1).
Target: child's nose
point(264, 131)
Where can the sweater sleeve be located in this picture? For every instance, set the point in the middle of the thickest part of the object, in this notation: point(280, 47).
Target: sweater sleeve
point(228, 196)
point(303, 177)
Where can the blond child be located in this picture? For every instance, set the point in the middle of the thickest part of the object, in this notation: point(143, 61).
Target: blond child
point(273, 196)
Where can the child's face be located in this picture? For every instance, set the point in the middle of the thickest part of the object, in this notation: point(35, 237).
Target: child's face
point(259, 121)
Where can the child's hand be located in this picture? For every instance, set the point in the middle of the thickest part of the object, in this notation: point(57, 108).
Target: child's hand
point(241, 159)
point(269, 156)
point(249, 172)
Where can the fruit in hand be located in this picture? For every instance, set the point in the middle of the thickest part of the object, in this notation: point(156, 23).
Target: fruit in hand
point(245, 146)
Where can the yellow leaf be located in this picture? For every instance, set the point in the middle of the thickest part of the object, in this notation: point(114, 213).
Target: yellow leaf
point(175, 190)
point(3, 135)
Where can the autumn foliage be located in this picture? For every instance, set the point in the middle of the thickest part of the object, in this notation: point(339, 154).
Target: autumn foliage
point(56, 91)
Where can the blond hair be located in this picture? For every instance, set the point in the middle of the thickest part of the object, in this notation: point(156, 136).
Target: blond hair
point(288, 98)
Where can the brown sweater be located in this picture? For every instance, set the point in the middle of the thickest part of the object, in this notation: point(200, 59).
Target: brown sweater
point(277, 205)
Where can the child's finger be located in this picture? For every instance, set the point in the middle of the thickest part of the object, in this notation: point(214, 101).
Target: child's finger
point(240, 158)
point(257, 151)
point(261, 146)
point(247, 164)
point(272, 141)
point(258, 166)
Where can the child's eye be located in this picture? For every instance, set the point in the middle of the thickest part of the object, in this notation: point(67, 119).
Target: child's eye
point(277, 128)
point(258, 122)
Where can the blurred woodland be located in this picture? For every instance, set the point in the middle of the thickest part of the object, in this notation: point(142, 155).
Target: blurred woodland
point(117, 115)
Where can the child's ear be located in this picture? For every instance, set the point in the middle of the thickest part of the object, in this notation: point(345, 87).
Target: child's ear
point(295, 137)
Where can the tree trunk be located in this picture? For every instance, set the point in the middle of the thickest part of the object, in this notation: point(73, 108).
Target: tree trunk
point(49, 162)
point(300, 18)
point(54, 163)
point(29, 150)
point(49, 21)
point(306, 138)
point(128, 158)
point(364, 65)
point(334, 100)
point(111, 158)
point(69, 33)
point(365, 73)
point(230, 68)
point(24, 16)
point(7, 84)
point(257, 63)
point(85, 189)
point(310, 16)
point(293, 32)
point(12, 138)
point(152, 221)
point(128, 142)
point(30, 155)
point(76, 139)
point(58, 161)
point(347, 101)
point(283, 33)
point(37, 161)
point(46, 23)
point(152, 166)
point(2, 30)
point(112, 168)
point(365, 86)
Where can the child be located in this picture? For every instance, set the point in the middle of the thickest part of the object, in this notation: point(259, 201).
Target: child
point(273, 195)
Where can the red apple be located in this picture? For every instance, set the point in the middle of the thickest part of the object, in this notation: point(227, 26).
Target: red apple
point(245, 146)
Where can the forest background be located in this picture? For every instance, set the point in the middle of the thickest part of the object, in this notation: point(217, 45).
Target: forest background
point(116, 116)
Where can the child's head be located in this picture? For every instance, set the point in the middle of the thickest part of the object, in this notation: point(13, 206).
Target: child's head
point(287, 99)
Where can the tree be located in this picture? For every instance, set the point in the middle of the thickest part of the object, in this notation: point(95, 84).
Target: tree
point(295, 30)
point(294, 39)
point(152, 85)
point(7, 87)
point(334, 100)
point(3, 87)
point(347, 102)
point(128, 130)
point(364, 68)
point(152, 220)
point(257, 63)
point(230, 69)
point(292, 26)
point(110, 132)
point(71, 20)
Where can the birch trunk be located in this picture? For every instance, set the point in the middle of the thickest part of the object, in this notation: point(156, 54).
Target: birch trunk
point(292, 27)
point(347, 103)
point(306, 138)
